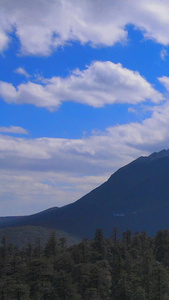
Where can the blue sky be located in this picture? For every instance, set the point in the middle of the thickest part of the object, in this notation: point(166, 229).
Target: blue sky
point(83, 91)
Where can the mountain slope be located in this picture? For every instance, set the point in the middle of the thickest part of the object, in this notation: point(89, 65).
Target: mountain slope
point(135, 197)
point(22, 236)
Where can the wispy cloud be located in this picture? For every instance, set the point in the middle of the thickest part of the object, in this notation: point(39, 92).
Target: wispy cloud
point(13, 129)
point(163, 54)
point(165, 81)
point(22, 71)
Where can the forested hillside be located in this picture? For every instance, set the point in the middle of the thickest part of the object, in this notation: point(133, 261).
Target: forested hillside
point(131, 268)
point(21, 236)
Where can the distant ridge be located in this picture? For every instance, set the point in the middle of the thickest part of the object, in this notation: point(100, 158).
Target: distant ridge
point(22, 236)
point(136, 197)
point(157, 155)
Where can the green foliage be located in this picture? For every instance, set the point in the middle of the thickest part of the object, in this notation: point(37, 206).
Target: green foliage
point(132, 268)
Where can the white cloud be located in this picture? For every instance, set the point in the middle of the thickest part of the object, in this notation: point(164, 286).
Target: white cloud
point(29, 192)
point(163, 54)
point(42, 26)
point(22, 71)
point(63, 170)
point(99, 84)
point(103, 152)
point(13, 129)
point(4, 40)
point(165, 81)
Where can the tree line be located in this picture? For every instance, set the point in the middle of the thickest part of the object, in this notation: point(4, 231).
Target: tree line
point(133, 267)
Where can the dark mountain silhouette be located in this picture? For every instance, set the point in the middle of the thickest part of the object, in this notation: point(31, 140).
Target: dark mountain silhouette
point(135, 197)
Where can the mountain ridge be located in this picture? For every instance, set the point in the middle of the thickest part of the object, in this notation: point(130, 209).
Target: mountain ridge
point(136, 196)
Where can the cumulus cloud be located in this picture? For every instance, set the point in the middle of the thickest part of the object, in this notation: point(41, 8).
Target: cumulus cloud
point(99, 84)
point(103, 152)
point(13, 129)
point(42, 26)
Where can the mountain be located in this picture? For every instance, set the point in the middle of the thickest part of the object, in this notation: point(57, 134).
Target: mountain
point(135, 197)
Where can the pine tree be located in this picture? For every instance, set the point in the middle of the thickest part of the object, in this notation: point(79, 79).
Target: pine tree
point(51, 247)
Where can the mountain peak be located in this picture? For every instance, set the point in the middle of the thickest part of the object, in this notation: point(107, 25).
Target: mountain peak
point(160, 154)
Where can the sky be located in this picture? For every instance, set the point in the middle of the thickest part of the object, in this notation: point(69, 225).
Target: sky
point(84, 90)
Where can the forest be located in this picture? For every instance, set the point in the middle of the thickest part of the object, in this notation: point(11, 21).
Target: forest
point(130, 267)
